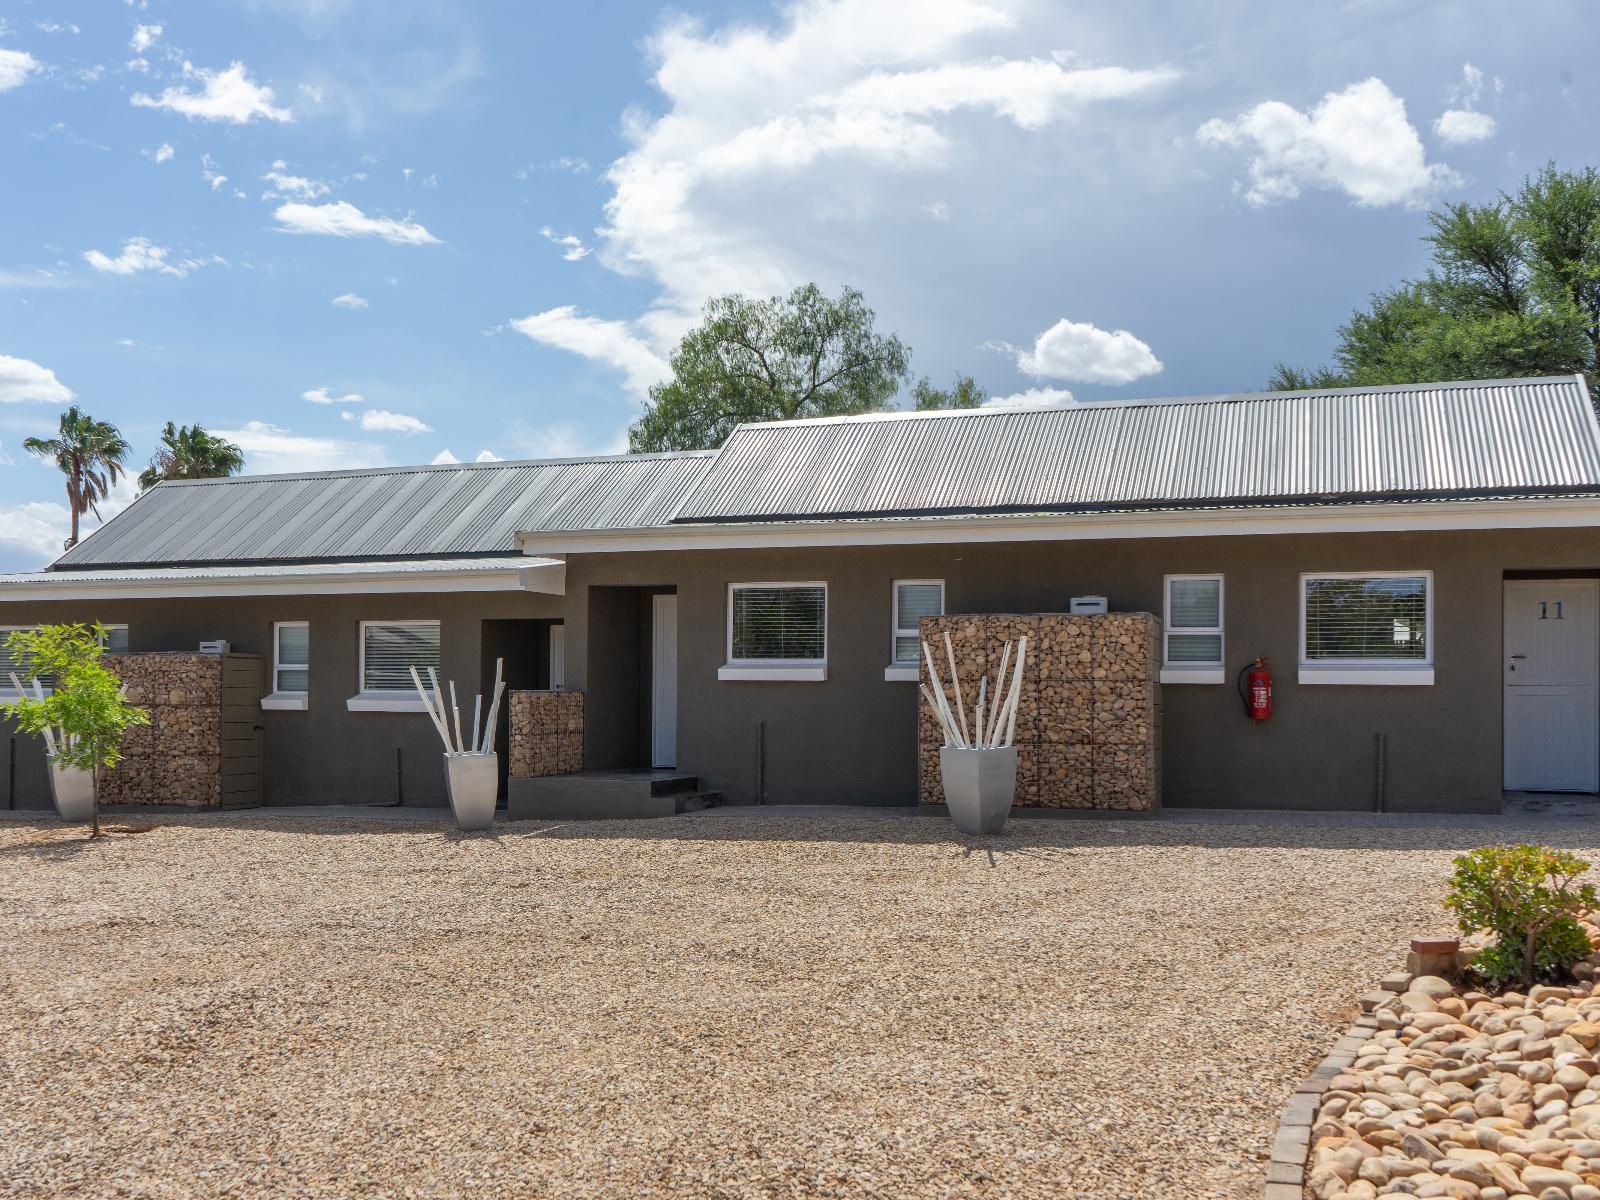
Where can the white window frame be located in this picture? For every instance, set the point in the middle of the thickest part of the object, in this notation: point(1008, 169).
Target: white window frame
point(287, 701)
point(398, 700)
point(1195, 672)
point(898, 671)
point(7, 692)
point(776, 670)
point(1382, 672)
point(558, 657)
point(123, 625)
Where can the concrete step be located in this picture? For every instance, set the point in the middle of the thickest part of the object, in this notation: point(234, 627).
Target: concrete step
point(696, 801)
point(606, 796)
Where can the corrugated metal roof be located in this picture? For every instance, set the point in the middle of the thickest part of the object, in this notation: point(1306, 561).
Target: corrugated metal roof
point(389, 513)
point(1490, 438)
point(364, 568)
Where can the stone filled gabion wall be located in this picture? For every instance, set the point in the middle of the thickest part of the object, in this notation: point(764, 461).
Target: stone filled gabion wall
point(1088, 716)
point(177, 758)
point(546, 733)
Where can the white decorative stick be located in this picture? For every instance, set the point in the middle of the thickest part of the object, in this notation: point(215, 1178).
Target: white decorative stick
point(998, 711)
point(1016, 689)
point(456, 709)
point(491, 727)
point(977, 715)
point(438, 723)
point(952, 734)
point(955, 682)
point(477, 728)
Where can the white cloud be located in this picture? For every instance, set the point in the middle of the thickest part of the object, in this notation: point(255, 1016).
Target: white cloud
point(223, 96)
point(22, 379)
point(271, 448)
point(443, 458)
point(343, 219)
point(610, 342)
point(144, 36)
point(349, 300)
point(15, 68)
point(34, 533)
point(487, 456)
point(571, 245)
point(1459, 127)
point(381, 420)
point(1086, 354)
point(162, 153)
point(209, 172)
point(37, 278)
point(563, 439)
point(1357, 140)
point(1031, 398)
point(56, 27)
point(321, 395)
point(299, 186)
point(141, 254)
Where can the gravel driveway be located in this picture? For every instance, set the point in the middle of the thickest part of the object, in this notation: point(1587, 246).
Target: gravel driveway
point(734, 1005)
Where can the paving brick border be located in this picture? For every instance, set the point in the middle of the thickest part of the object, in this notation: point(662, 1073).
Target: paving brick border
point(1291, 1144)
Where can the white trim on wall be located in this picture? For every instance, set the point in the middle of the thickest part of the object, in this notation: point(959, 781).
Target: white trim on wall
point(795, 670)
point(1370, 672)
point(897, 671)
point(1195, 672)
point(391, 700)
point(279, 699)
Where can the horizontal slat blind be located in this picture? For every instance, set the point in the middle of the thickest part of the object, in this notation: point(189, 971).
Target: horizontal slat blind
point(116, 639)
point(1195, 604)
point(786, 623)
point(1372, 618)
point(294, 657)
point(9, 662)
point(1194, 647)
point(393, 648)
point(912, 602)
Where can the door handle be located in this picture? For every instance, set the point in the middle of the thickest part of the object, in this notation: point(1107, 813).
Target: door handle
point(1519, 656)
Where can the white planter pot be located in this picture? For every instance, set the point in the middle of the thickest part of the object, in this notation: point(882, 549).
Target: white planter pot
point(73, 791)
point(979, 786)
point(474, 782)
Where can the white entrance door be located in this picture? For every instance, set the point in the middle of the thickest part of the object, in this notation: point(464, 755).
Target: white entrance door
point(664, 683)
point(1552, 685)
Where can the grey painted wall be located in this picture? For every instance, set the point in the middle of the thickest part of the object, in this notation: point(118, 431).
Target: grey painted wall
point(326, 754)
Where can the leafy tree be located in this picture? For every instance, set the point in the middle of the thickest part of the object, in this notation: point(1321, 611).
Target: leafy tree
point(189, 452)
point(91, 454)
point(1514, 290)
point(962, 393)
point(801, 355)
point(86, 713)
point(1529, 897)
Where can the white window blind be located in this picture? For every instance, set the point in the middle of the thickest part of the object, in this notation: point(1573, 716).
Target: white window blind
point(291, 663)
point(1374, 618)
point(778, 622)
point(1194, 620)
point(9, 661)
point(389, 649)
point(913, 600)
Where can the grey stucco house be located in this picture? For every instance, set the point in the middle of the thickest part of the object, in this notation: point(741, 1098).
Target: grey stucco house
point(1421, 563)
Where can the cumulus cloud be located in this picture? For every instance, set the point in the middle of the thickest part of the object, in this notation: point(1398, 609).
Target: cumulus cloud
point(571, 245)
point(321, 395)
point(22, 379)
point(281, 184)
point(1084, 353)
point(209, 172)
point(443, 458)
point(33, 534)
point(16, 67)
point(381, 420)
point(227, 95)
point(141, 254)
point(144, 36)
point(1358, 141)
point(1046, 397)
point(1460, 127)
point(611, 342)
point(487, 456)
point(349, 300)
point(162, 153)
point(343, 219)
point(271, 449)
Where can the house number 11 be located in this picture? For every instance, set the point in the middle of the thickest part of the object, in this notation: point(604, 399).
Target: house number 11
point(1544, 610)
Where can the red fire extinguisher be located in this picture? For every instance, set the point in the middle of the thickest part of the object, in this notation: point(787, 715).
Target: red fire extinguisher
point(1255, 689)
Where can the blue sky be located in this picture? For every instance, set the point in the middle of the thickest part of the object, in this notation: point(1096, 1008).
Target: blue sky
point(353, 234)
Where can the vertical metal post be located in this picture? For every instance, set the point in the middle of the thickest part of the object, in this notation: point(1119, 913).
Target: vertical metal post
point(11, 774)
point(761, 762)
point(399, 779)
point(1380, 771)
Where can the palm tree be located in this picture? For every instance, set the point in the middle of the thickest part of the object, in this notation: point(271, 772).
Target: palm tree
point(90, 453)
point(189, 452)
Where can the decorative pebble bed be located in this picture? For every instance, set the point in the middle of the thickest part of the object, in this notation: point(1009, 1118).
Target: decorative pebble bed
point(1455, 1093)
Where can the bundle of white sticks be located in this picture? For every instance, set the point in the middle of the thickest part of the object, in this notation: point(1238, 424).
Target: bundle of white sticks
point(482, 741)
point(993, 726)
point(55, 740)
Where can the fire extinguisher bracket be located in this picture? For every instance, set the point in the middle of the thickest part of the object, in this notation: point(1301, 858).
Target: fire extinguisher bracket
point(1255, 690)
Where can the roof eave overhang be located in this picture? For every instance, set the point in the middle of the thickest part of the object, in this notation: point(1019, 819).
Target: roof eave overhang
point(1368, 517)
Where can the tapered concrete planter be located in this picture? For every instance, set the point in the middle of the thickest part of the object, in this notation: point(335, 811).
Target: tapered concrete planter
point(979, 786)
point(73, 791)
point(474, 782)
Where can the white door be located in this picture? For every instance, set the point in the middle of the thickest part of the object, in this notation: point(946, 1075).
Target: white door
point(664, 683)
point(1552, 685)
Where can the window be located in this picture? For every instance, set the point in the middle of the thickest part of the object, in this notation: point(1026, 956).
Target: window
point(291, 665)
point(777, 631)
point(9, 663)
point(913, 599)
point(1367, 628)
point(116, 640)
point(388, 650)
point(1193, 630)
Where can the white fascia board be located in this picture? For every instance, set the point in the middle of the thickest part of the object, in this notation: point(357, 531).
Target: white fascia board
point(549, 579)
point(1346, 518)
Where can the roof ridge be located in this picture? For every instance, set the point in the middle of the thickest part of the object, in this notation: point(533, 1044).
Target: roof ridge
point(430, 468)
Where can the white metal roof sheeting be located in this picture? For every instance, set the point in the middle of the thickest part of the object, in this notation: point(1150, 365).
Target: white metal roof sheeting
point(1524, 437)
point(389, 513)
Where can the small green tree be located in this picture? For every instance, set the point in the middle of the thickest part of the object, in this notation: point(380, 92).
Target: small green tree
point(963, 392)
point(85, 714)
point(1529, 898)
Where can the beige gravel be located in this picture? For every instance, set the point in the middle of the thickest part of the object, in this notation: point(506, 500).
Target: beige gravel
point(712, 1006)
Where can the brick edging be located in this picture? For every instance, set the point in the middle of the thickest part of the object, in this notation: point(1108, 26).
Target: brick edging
point(1291, 1143)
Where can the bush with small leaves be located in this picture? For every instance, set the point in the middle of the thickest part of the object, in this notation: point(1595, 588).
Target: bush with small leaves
point(1529, 898)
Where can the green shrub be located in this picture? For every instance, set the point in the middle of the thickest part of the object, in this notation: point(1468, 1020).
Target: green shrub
point(1528, 897)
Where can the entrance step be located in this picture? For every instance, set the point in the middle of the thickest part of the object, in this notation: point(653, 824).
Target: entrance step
point(606, 796)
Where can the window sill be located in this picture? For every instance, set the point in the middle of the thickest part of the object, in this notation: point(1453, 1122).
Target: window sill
point(900, 673)
point(772, 673)
point(1368, 674)
point(285, 701)
point(397, 702)
point(9, 694)
point(1172, 674)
